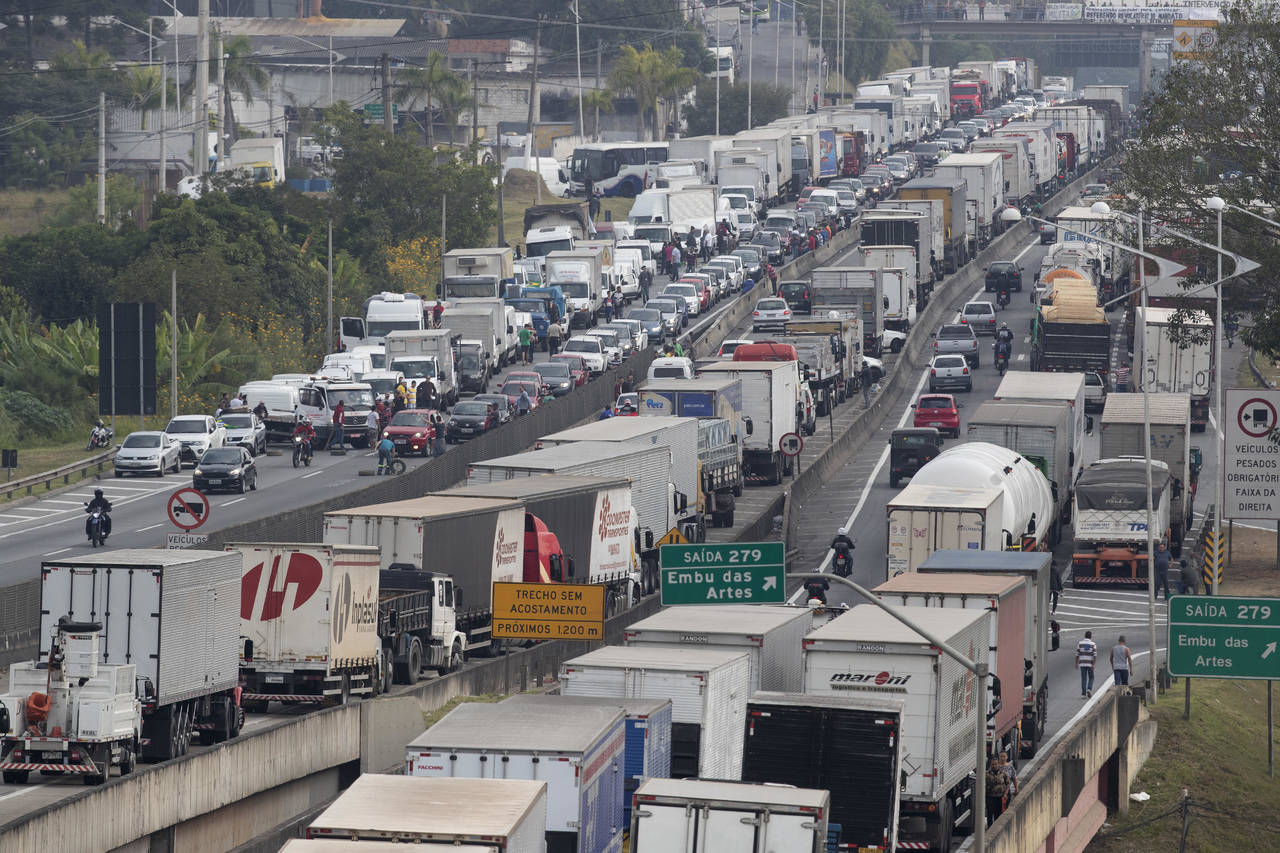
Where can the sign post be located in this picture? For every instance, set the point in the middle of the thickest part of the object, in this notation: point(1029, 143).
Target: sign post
point(738, 573)
point(1251, 463)
point(790, 445)
point(539, 611)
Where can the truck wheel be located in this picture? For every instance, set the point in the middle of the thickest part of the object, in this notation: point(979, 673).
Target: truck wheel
point(16, 777)
point(388, 671)
point(101, 758)
point(413, 668)
point(128, 760)
point(455, 659)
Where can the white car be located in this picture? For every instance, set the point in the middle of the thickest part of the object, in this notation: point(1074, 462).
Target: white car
point(634, 328)
point(734, 267)
point(747, 224)
point(877, 367)
point(247, 431)
point(727, 348)
point(148, 453)
point(949, 371)
point(617, 345)
point(688, 293)
point(770, 312)
point(590, 348)
point(196, 434)
point(891, 341)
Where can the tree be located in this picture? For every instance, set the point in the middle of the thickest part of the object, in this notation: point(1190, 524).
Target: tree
point(144, 89)
point(869, 30)
point(767, 103)
point(243, 76)
point(595, 102)
point(650, 76)
point(65, 273)
point(434, 83)
point(81, 61)
point(123, 197)
point(1211, 130)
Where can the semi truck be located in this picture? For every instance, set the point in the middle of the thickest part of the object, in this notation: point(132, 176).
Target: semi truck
point(848, 744)
point(1123, 433)
point(1175, 360)
point(1039, 388)
point(776, 142)
point(926, 219)
point(844, 336)
point(706, 816)
point(702, 149)
point(555, 227)
point(954, 195)
point(703, 397)
point(1042, 147)
point(770, 391)
point(820, 369)
point(309, 624)
point(1081, 224)
point(868, 651)
point(857, 291)
point(579, 276)
point(478, 273)
point(498, 815)
point(1071, 334)
point(578, 755)
point(1043, 435)
point(1020, 183)
point(708, 689)
point(975, 495)
point(173, 616)
point(983, 174)
point(1110, 546)
point(1041, 634)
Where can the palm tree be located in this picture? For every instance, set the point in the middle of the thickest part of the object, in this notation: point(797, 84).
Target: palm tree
point(650, 75)
point(144, 89)
point(243, 75)
point(453, 101)
point(434, 83)
point(596, 101)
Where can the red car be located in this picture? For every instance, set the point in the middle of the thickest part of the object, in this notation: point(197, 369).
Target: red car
point(704, 291)
point(512, 388)
point(529, 376)
point(577, 368)
point(940, 411)
point(410, 431)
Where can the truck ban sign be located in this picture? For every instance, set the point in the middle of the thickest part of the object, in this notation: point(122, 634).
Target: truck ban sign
point(741, 573)
point(1224, 637)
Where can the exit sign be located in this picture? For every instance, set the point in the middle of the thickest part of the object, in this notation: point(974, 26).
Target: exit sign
point(1224, 637)
point(741, 573)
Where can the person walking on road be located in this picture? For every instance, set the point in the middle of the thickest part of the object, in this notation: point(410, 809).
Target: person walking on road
point(1122, 378)
point(1055, 585)
point(1086, 657)
point(675, 262)
point(523, 403)
point(336, 435)
point(646, 280)
point(865, 377)
point(1162, 560)
point(997, 790)
point(439, 437)
point(1121, 661)
point(554, 335)
point(526, 344)
point(1188, 580)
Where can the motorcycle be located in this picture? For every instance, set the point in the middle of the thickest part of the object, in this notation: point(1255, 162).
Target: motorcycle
point(1002, 299)
point(842, 563)
point(816, 589)
point(97, 525)
point(100, 436)
point(301, 451)
point(1002, 363)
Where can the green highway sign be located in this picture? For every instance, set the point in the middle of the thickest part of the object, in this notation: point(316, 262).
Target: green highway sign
point(1224, 637)
point(741, 573)
point(373, 112)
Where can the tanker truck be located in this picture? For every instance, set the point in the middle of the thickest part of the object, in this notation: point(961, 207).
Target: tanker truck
point(975, 496)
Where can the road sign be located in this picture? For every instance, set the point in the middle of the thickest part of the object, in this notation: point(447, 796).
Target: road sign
point(188, 508)
point(791, 444)
point(1194, 39)
point(673, 537)
point(373, 112)
point(1224, 637)
point(539, 611)
point(1251, 465)
point(1215, 557)
point(175, 541)
point(741, 573)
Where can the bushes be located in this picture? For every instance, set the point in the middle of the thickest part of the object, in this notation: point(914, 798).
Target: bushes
point(23, 417)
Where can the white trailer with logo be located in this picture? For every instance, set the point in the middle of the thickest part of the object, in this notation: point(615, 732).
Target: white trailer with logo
point(868, 652)
point(708, 689)
point(308, 623)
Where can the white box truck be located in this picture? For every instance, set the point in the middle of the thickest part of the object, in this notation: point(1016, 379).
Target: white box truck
point(1041, 137)
point(924, 518)
point(176, 616)
point(429, 354)
point(1183, 366)
point(578, 275)
point(579, 755)
point(772, 637)
point(708, 689)
point(506, 815)
point(1024, 386)
point(858, 291)
point(777, 142)
point(868, 651)
point(770, 391)
point(705, 816)
point(487, 321)
point(308, 623)
point(984, 175)
point(477, 273)
point(1020, 183)
point(900, 266)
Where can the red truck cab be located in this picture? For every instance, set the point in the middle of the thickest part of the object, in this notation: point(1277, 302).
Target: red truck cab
point(544, 559)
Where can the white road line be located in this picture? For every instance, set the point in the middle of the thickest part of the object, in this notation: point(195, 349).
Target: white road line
point(1028, 248)
point(53, 501)
point(229, 503)
point(1075, 608)
point(1021, 356)
point(312, 474)
point(54, 553)
point(149, 527)
point(27, 790)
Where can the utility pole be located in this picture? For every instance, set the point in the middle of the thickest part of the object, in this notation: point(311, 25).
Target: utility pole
point(777, 46)
point(577, 38)
point(102, 158)
point(223, 136)
point(595, 125)
point(387, 124)
point(475, 103)
point(200, 102)
point(751, 56)
point(822, 47)
point(530, 154)
point(718, 76)
point(173, 345)
point(502, 239)
point(162, 184)
point(329, 339)
point(444, 242)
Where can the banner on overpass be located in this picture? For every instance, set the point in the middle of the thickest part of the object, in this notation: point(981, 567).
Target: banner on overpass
point(1143, 14)
point(1063, 11)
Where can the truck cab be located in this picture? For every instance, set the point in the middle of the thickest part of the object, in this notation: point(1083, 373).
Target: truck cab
point(418, 621)
point(318, 400)
point(384, 312)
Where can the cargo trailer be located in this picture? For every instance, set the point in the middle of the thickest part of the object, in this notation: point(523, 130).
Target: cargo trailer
point(705, 816)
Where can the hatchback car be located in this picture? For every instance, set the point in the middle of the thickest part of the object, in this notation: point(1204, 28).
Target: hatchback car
point(727, 347)
point(230, 468)
point(590, 349)
point(148, 453)
point(753, 258)
point(957, 338)
point(529, 375)
point(940, 411)
point(949, 371)
point(673, 310)
point(470, 418)
point(771, 244)
point(1006, 274)
point(246, 431)
point(505, 410)
point(770, 313)
point(196, 434)
point(577, 367)
point(910, 449)
point(954, 138)
point(980, 316)
point(410, 431)
point(650, 319)
point(555, 376)
point(798, 295)
point(689, 293)
point(511, 389)
point(1048, 233)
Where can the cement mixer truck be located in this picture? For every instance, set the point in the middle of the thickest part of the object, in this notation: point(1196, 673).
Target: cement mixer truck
point(975, 496)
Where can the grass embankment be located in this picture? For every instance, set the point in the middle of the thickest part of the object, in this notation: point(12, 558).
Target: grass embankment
point(24, 211)
point(430, 718)
point(519, 192)
point(1220, 755)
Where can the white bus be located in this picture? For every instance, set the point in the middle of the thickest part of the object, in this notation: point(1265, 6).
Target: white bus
point(615, 168)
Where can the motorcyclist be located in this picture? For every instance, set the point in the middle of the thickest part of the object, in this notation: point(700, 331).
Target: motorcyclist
point(1002, 352)
point(1002, 298)
point(307, 432)
point(843, 546)
point(1004, 333)
point(101, 503)
point(817, 588)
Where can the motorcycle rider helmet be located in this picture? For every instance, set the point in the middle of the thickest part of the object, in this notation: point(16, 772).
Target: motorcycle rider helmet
point(97, 493)
point(843, 531)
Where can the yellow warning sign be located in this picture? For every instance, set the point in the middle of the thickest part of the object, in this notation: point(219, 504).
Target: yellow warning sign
point(673, 537)
point(539, 611)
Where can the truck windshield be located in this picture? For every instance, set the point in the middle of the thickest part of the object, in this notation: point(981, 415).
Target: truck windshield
point(653, 235)
point(352, 398)
point(546, 247)
point(469, 362)
point(531, 306)
point(471, 288)
point(380, 328)
point(415, 368)
point(381, 386)
point(575, 289)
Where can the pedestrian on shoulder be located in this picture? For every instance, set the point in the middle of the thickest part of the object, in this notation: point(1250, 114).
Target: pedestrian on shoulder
point(554, 335)
point(1162, 560)
point(865, 377)
point(1121, 661)
point(1086, 657)
point(524, 403)
point(1122, 378)
point(997, 790)
point(1189, 579)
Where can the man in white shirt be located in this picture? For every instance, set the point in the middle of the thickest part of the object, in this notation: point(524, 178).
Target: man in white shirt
point(1086, 657)
point(1121, 661)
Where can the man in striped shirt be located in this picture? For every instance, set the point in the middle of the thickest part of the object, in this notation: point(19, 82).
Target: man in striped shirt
point(1086, 657)
point(1121, 374)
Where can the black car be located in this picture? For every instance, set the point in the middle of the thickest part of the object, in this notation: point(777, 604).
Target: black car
point(752, 260)
point(910, 449)
point(470, 418)
point(929, 153)
point(1003, 275)
point(556, 376)
point(772, 246)
point(799, 296)
point(230, 468)
point(506, 411)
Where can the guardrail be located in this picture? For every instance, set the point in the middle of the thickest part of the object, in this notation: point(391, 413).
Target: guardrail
point(82, 467)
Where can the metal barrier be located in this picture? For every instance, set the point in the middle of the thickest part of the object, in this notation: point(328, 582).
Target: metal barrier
point(80, 467)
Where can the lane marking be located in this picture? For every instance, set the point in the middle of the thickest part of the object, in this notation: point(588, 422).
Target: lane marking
point(54, 553)
point(308, 476)
point(229, 503)
point(149, 527)
point(27, 790)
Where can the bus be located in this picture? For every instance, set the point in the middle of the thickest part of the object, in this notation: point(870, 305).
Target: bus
point(615, 168)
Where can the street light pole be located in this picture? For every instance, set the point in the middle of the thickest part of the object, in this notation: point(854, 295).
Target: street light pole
point(751, 55)
point(1146, 443)
point(1217, 399)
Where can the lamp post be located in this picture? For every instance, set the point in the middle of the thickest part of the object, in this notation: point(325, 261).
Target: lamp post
point(1217, 205)
point(333, 56)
